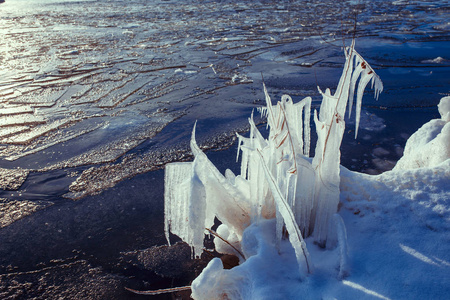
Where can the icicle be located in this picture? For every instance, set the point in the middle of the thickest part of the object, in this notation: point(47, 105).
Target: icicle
point(177, 201)
point(365, 73)
point(304, 199)
point(244, 162)
point(194, 147)
point(344, 77)
point(307, 127)
point(199, 215)
point(279, 226)
point(355, 77)
point(365, 78)
point(291, 186)
point(376, 81)
point(224, 200)
point(259, 139)
point(240, 141)
point(342, 92)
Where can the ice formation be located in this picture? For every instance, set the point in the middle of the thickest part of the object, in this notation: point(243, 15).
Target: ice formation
point(278, 180)
point(281, 210)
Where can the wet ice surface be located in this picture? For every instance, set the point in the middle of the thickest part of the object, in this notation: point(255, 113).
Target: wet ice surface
point(94, 92)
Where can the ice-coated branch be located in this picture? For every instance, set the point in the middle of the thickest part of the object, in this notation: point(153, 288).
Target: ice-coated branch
point(295, 236)
point(364, 72)
point(330, 127)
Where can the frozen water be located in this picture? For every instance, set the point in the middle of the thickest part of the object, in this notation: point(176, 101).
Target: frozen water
point(96, 73)
point(11, 211)
point(74, 63)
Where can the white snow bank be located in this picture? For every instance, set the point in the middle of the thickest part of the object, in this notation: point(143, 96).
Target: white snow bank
point(425, 192)
point(398, 224)
point(430, 145)
point(444, 108)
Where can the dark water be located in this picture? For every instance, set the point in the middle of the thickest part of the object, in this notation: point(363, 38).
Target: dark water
point(96, 96)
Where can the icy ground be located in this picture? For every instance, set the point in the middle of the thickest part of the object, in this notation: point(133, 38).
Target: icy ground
point(95, 94)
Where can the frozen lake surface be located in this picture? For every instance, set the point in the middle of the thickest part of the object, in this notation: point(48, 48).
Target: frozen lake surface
point(95, 94)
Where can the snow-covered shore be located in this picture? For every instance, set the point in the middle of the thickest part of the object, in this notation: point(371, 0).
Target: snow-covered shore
point(397, 237)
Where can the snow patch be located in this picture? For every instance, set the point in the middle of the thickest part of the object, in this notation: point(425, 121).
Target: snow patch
point(437, 60)
point(429, 146)
point(444, 108)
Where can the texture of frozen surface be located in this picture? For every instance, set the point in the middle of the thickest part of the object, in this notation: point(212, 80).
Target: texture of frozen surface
point(12, 179)
point(11, 211)
point(87, 63)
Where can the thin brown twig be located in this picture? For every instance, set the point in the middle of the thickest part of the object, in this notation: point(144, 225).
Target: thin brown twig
point(159, 292)
point(227, 242)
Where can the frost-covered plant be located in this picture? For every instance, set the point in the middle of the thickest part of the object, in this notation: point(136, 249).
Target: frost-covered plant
point(277, 178)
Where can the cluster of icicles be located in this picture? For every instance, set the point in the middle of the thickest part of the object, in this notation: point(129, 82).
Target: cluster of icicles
point(277, 180)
